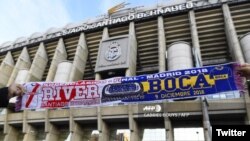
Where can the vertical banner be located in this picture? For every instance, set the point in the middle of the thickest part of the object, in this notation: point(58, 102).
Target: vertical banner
point(166, 85)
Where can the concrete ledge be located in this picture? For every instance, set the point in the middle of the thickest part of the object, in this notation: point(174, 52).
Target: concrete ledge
point(35, 115)
point(85, 112)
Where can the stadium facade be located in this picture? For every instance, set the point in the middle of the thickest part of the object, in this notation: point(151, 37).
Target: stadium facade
point(209, 31)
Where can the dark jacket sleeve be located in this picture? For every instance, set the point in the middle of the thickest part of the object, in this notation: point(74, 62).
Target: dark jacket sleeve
point(4, 100)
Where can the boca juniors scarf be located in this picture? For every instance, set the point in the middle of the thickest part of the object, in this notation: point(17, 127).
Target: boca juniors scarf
point(166, 85)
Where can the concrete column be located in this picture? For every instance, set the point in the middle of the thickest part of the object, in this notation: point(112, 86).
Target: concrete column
point(168, 125)
point(74, 128)
point(231, 34)
point(80, 59)
point(179, 56)
point(206, 121)
point(6, 69)
point(195, 39)
point(50, 129)
point(234, 45)
point(198, 63)
point(38, 65)
point(59, 56)
point(63, 71)
point(23, 62)
point(135, 133)
point(30, 134)
point(22, 75)
point(162, 45)
point(105, 35)
point(102, 127)
point(77, 133)
point(131, 71)
point(25, 123)
point(247, 101)
point(245, 44)
point(52, 134)
point(12, 134)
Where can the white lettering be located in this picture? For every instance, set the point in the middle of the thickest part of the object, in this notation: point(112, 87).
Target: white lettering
point(160, 11)
point(182, 7)
point(153, 12)
point(131, 16)
point(47, 93)
point(230, 132)
point(189, 5)
point(175, 8)
point(167, 9)
point(124, 19)
point(140, 15)
point(80, 92)
point(106, 22)
point(92, 91)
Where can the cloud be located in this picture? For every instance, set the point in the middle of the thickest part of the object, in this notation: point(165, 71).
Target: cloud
point(24, 17)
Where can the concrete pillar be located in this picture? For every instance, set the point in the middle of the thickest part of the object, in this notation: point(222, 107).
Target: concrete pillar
point(50, 129)
point(135, 133)
point(28, 130)
point(162, 45)
point(247, 101)
point(12, 134)
point(206, 121)
point(105, 35)
point(38, 65)
point(30, 134)
point(6, 69)
point(74, 128)
point(195, 39)
point(179, 56)
point(63, 71)
point(59, 56)
point(235, 48)
point(102, 127)
point(231, 34)
point(22, 76)
point(80, 59)
point(198, 63)
point(168, 125)
point(77, 133)
point(131, 70)
point(52, 134)
point(23, 62)
point(245, 45)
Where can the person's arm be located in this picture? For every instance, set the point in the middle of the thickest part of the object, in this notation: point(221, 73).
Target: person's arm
point(4, 97)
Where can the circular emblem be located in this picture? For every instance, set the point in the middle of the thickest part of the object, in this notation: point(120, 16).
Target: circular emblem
point(113, 52)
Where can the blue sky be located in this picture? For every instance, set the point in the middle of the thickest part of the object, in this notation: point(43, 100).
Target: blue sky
point(21, 18)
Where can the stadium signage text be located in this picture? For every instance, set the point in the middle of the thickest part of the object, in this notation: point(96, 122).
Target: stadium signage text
point(107, 22)
point(130, 17)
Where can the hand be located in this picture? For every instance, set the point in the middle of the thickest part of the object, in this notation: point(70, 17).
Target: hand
point(244, 70)
point(15, 90)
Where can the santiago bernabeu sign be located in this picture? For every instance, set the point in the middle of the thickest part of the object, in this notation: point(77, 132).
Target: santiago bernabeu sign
point(107, 22)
